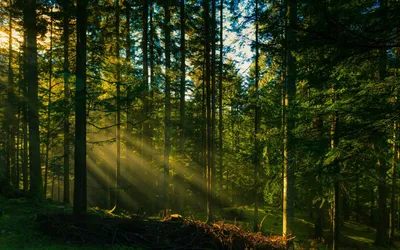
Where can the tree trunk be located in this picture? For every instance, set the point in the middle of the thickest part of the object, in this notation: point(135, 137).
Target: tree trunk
point(36, 185)
point(167, 143)
point(80, 192)
point(10, 108)
point(256, 130)
point(48, 126)
point(58, 186)
point(118, 115)
point(392, 222)
point(152, 82)
point(183, 80)
point(221, 106)
point(66, 100)
point(213, 101)
point(209, 115)
point(25, 173)
point(336, 199)
point(382, 236)
point(182, 104)
point(128, 132)
point(289, 147)
point(204, 113)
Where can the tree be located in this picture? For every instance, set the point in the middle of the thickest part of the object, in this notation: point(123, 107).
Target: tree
point(80, 192)
point(31, 76)
point(167, 125)
point(382, 237)
point(118, 102)
point(182, 88)
point(209, 131)
point(221, 105)
point(10, 108)
point(48, 125)
point(66, 156)
point(289, 123)
point(256, 128)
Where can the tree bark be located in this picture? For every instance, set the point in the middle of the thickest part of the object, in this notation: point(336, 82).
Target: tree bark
point(80, 192)
point(118, 104)
point(213, 97)
point(128, 129)
point(48, 126)
point(209, 111)
point(31, 76)
point(256, 130)
point(289, 147)
point(221, 106)
point(382, 237)
point(66, 156)
point(167, 121)
point(10, 108)
point(182, 90)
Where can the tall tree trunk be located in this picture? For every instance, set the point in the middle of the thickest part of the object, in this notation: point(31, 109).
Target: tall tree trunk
point(52, 184)
point(289, 147)
point(24, 141)
point(58, 186)
point(118, 115)
point(167, 143)
point(31, 77)
point(336, 199)
point(152, 87)
point(25, 173)
point(382, 236)
point(392, 222)
point(147, 133)
point(183, 80)
point(48, 126)
point(66, 156)
point(204, 124)
point(209, 111)
point(256, 130)
point(146, 140)
point(128, 53)
point(221, 105)
point(283, 96)
point(182, 91)
point(80, 192)
point(10, 108)
point(18, 134)
point(213, 96)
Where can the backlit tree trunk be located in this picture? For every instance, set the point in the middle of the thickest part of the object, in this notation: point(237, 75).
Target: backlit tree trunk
point(80, 192)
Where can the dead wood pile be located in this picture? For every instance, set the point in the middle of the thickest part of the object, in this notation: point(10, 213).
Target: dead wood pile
point(154, 234)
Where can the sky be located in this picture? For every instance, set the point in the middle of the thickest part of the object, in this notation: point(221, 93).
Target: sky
point(240, 43)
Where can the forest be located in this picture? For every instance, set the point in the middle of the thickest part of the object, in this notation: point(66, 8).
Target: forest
point(199, 124)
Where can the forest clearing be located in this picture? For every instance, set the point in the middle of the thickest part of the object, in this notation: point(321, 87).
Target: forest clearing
point(199, 124)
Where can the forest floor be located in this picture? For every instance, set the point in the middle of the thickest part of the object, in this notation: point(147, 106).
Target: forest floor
point(354, 235)
point(18, 227)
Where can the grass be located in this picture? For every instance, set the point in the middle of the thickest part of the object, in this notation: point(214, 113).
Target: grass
point(18, 228)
